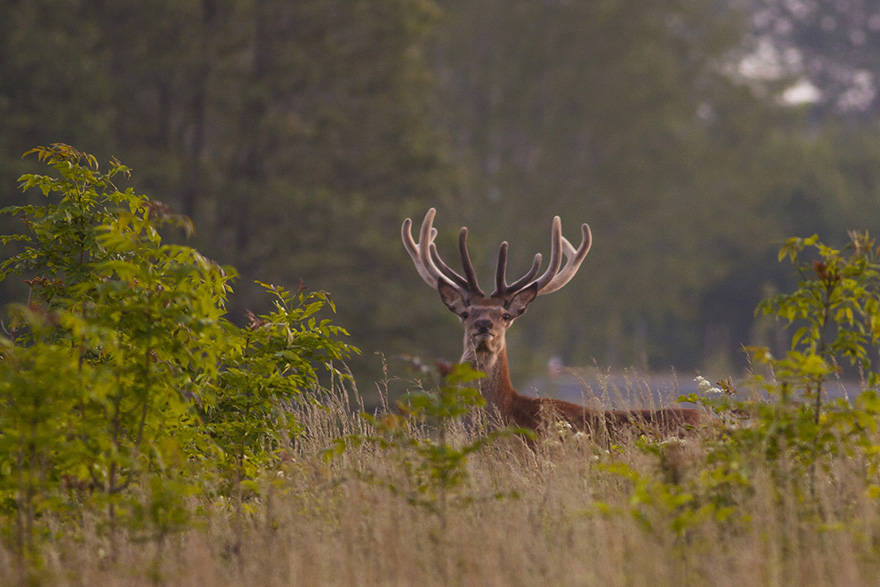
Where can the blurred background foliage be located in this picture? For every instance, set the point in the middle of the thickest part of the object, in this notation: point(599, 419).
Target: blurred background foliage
point(693, 136)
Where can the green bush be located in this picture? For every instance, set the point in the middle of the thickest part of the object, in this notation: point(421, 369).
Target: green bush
point(790, 427)
point(123, 386)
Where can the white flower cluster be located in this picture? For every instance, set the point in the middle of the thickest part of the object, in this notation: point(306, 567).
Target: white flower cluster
point(563, 427)
point(705, 386)
point(563, 432)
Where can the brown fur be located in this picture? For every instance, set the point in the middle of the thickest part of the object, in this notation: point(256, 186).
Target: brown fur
point(485, 322)
point(535, 413)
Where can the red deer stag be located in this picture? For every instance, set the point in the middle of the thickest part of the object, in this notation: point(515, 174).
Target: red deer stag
point(487, 318)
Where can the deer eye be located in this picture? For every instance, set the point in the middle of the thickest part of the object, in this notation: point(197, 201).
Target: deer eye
point(464, 315)
point(506, 317)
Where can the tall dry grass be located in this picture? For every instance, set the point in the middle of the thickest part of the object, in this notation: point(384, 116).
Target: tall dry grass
point(573, 523)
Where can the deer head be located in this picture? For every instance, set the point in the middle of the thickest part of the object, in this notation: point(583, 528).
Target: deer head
point(487, 318)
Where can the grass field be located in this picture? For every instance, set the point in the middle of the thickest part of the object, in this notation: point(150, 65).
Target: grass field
point(147, 440)
point(571, 513)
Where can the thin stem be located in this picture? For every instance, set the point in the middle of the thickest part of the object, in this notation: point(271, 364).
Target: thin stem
point(823, 345)
point(821, 350)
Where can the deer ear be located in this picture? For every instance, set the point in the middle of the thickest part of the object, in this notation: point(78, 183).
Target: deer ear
point(451, 296)
point(519, 302)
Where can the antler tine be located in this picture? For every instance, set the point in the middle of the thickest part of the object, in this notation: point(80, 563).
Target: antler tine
point(555, 254)
point(456, 279)
point(420, 252)
point(501, 272)
point(528, 277)
point(413, 250)
point(501, 287)
point(426, 235)
point(574, 258)
point(470, 275)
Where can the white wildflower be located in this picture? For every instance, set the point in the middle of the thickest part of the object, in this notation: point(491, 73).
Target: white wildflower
point(705, 386)
point(563, 427)
point(673, 442)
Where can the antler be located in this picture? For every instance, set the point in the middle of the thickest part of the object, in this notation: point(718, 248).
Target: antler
point(419, 252)
point(432, 268)
point(554, 278)
point(428, 262)
point(501, 287)
point(469, 273)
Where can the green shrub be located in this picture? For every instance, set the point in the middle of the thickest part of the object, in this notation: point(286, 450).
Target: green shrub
point(790, 427)
point(123, 387)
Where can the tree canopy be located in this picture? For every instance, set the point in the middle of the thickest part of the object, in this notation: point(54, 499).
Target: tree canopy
point(299, 135)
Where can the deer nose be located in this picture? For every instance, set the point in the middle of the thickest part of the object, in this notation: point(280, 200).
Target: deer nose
point(483, 326)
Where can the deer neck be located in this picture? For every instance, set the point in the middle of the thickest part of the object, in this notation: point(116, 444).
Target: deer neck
point(495, 387)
